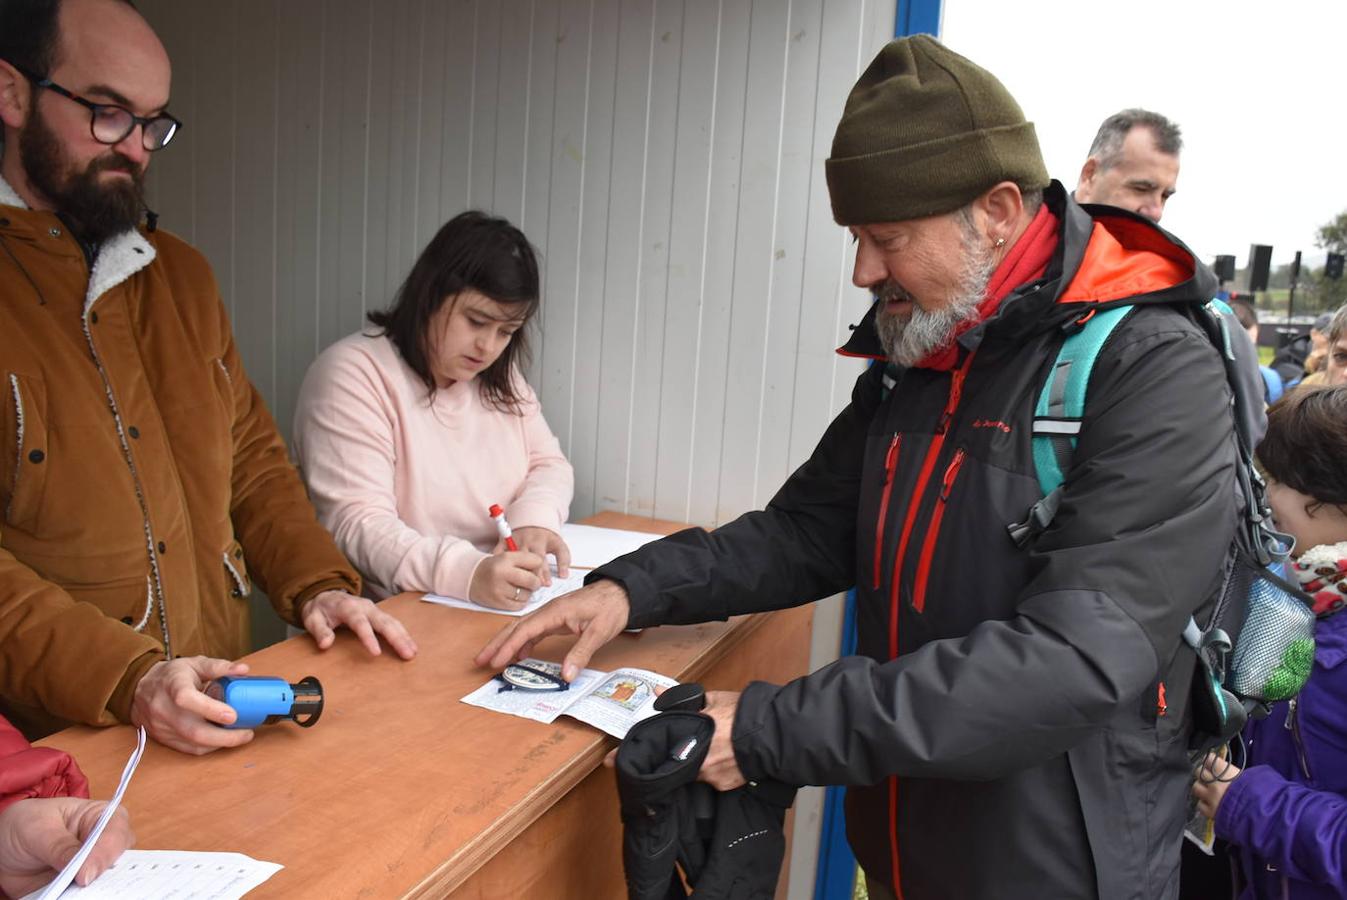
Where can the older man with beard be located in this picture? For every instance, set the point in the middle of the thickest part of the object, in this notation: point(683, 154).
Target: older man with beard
point(141, 476)
point(1016, 721)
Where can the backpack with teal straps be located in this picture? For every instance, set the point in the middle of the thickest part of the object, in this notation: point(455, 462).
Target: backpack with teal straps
point(1258, 644)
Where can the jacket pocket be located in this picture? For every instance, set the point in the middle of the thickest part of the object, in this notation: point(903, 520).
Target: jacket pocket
point(236, 571)
point(25, 450)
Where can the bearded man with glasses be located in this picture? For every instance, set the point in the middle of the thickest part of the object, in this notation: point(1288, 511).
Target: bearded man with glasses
point(139, 468)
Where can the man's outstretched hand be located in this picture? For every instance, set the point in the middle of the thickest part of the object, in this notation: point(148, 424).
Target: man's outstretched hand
point(597, 613)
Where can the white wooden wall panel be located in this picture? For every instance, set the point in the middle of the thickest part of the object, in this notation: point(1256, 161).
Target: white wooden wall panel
point(666, 157)
point(775, 49)
point(700, 338)
point(298, 201)
point(256, 144)
point(176, 184)
point(598, 190)
point(636, 475)
point(852, 33)
point(512, 80)
point(381, 169)
point(402, 126)
point(459, 110)
point(210, 52)
point(343, 217)
point(620, 292)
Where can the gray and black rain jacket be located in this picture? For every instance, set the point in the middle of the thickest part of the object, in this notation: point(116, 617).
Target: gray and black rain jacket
point(1015, 722)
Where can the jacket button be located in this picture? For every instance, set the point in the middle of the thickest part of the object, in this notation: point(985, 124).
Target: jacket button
point(93, 317)
point(36, 456)
point(133, 431)
point(126, 620)
point(163, 548)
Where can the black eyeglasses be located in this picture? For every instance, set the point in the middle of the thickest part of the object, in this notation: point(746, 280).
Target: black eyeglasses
point(110, 124)
point(539, 677)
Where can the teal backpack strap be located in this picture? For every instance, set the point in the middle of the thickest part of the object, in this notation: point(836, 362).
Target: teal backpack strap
point(1061, 404)
point(1057, 417)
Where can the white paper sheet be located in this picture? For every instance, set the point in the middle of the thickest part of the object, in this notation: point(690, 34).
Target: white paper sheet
point(621, 700)
point(610, 701)
point(542, 595)
point(176, 875)
point(540, 706)
point(591, 547)
point(67, 875)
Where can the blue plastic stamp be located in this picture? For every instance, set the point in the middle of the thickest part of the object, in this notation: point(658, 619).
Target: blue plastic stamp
point(262, 699)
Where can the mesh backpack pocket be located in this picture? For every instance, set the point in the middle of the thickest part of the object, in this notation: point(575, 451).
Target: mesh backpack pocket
point(1257, 648)
point(1275, 650)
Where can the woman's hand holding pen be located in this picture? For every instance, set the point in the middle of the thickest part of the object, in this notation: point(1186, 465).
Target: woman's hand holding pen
point(542, 541)
point(506, 580)
point(518, 565)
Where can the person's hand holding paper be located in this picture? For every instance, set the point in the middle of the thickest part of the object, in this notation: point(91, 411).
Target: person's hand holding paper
point(39, 836)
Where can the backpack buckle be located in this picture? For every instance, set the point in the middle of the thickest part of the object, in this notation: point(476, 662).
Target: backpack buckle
point(1076, 325)
point(1039, 518)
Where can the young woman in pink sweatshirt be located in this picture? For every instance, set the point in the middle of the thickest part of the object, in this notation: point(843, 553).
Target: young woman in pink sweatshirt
point(407, 433)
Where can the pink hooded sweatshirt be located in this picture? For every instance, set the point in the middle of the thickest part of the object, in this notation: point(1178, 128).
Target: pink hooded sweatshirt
point(404, 483)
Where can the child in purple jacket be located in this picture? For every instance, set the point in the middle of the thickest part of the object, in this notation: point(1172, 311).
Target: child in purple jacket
point(1285, 813)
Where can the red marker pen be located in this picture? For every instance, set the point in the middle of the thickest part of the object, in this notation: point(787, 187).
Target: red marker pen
point(503, 527)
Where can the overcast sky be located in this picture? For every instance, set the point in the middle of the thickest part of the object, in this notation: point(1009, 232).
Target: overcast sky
point(1258, 89)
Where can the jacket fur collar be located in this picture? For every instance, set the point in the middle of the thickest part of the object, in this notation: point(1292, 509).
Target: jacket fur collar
point(118, 259)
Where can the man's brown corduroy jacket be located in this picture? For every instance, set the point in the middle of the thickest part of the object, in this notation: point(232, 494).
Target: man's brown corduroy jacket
point(141, 476)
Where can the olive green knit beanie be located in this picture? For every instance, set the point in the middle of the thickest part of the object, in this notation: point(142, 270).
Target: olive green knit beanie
point(924, 132)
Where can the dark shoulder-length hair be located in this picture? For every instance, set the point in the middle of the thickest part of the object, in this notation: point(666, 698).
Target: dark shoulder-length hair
point(1306, 443)
point(472, 251)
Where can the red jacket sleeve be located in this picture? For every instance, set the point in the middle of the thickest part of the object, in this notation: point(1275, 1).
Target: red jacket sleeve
point(27, 771)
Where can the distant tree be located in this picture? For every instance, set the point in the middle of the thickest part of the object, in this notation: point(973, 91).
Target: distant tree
point(1280, 277)
point(1332, 236)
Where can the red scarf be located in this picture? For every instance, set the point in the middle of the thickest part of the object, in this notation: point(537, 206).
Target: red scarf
point(1027, 261)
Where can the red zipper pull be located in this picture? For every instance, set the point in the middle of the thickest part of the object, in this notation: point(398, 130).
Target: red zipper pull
point(955, 392)
point(890, 464)
point(953, 469)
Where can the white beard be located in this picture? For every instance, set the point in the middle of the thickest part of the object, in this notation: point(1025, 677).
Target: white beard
point(909, 338)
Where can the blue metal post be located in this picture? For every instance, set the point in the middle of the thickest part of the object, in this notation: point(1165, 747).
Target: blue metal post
point(836, 865)
point(917, 17)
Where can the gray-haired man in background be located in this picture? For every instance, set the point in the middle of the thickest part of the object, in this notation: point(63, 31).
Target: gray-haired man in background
point(1133, 163)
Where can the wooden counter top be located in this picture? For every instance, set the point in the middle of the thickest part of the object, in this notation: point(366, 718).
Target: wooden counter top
point(400, 789)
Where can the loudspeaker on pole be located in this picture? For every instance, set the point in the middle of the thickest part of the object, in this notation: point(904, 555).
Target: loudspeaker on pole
point(1224, 267)
point(1260, 260)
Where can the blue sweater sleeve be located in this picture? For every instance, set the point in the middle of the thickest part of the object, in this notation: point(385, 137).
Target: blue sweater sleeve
point(1301, 831)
